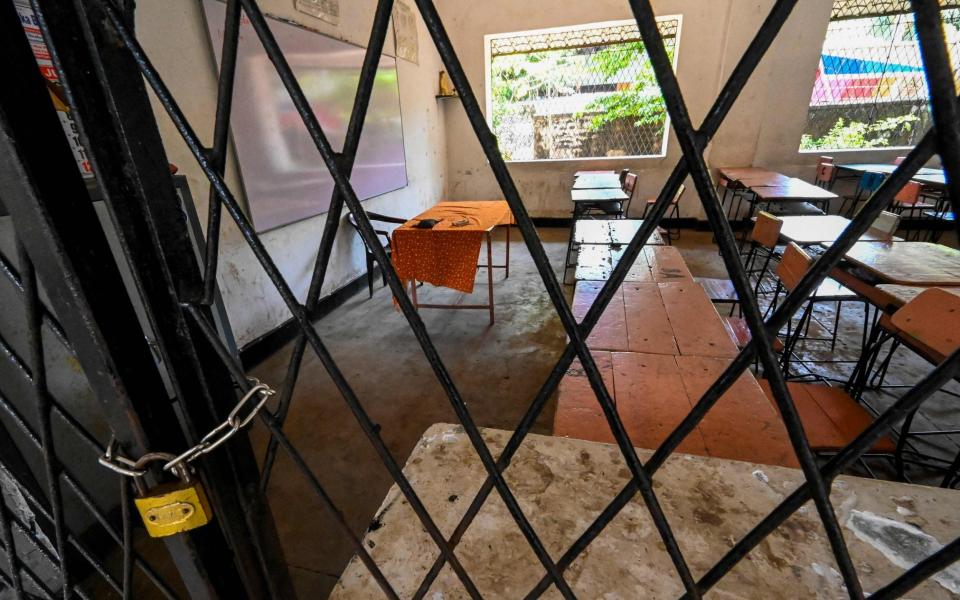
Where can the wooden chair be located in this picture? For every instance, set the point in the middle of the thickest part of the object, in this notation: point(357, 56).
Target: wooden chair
point(942, 215)
point(623, 176)
point(763, 245)
point(793, 266)
point(930, 326)
point(826, 174)
point(831, 418)
point(825, 160)
point(887, 222)
point(629, 187)
point(912, 202)
point(673, 212)
point(371, 259)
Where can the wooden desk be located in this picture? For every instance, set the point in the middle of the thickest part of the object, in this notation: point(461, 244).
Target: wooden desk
point(611, 232)
point(901, 294)
point(907, 263)
point(586, 182)
point(654, 264)
point(582, 173)
point(795, 190)
point(735, 174)
point(598, 195)
point(675, 318)
point(763, 179)
point(806, 230)
point(925, 175)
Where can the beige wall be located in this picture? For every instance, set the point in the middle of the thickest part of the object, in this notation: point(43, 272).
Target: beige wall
point(175, 37)
point(763, 129)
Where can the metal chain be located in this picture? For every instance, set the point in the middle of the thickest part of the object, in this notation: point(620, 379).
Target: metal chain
point(253, 401)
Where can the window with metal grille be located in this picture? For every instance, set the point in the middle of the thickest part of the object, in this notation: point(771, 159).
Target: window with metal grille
point(577, 92)
point(871, 90)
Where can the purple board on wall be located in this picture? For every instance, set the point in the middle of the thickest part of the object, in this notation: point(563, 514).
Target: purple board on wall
point(283, 176)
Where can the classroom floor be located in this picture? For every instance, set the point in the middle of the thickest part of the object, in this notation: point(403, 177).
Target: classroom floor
point(497, 370)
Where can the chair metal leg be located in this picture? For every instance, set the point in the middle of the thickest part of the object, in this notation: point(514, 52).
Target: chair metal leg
point(570, 246)
point(902, 443)
point(370, 273)
point(793, 339)
point(836, 326)
point(953, 473)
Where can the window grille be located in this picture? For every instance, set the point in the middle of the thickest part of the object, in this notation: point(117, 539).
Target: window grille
point(577, 92)
point(106, 71)
point(870, 89)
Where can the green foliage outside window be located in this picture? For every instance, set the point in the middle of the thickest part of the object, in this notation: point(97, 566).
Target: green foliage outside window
point(640, 100)
point(857, 136)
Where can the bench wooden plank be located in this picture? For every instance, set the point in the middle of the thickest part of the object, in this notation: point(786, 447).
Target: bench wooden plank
point(742, 425)
point(666, 264)
point(696, 325)
point(578, 413)
point(652, 399)
point(647, 326)
point(610, 332)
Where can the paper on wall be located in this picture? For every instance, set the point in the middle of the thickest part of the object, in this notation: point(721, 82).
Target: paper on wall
point(405, 32)
point(327, 10)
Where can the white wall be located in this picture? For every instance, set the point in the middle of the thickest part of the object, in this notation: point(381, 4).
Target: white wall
point(763, 129)
point(175, 37)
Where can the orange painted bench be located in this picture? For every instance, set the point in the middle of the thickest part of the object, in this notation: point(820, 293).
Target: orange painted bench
point(654, 392)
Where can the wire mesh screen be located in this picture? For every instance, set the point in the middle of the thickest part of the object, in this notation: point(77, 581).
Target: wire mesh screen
point(870, 89)
point(115, 45)
point(584, 92)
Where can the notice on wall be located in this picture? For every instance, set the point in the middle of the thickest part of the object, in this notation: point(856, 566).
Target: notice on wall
point(326, 10)
point(57, 94)
point(405, 32)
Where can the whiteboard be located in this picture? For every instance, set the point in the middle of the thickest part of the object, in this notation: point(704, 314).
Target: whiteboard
point(283, 175)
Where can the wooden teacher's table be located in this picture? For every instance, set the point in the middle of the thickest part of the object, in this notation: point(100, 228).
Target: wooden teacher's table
point(446, 255)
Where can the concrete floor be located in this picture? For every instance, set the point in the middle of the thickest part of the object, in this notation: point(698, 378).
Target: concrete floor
point(497, 369)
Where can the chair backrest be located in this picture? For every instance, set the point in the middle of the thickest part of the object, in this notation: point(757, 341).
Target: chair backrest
point(910, 193)
point(629, 186)
point(933, 319)
point(623, 176)
point(679, 194)
point(766, 231)
point(870, 181)
point(828, 160)
point(793, 265)
point(630, 183)
point(825, 173)
point(887, 222)
point(899, 160)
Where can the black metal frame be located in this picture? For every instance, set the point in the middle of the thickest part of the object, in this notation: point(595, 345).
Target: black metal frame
point(102, 64)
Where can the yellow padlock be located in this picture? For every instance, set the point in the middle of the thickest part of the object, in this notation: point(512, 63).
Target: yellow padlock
point(171, 508)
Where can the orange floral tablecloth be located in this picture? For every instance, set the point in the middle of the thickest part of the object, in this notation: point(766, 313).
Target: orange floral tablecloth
point(447, 255)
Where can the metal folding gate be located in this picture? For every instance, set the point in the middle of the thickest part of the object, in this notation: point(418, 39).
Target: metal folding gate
point(162, 377)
